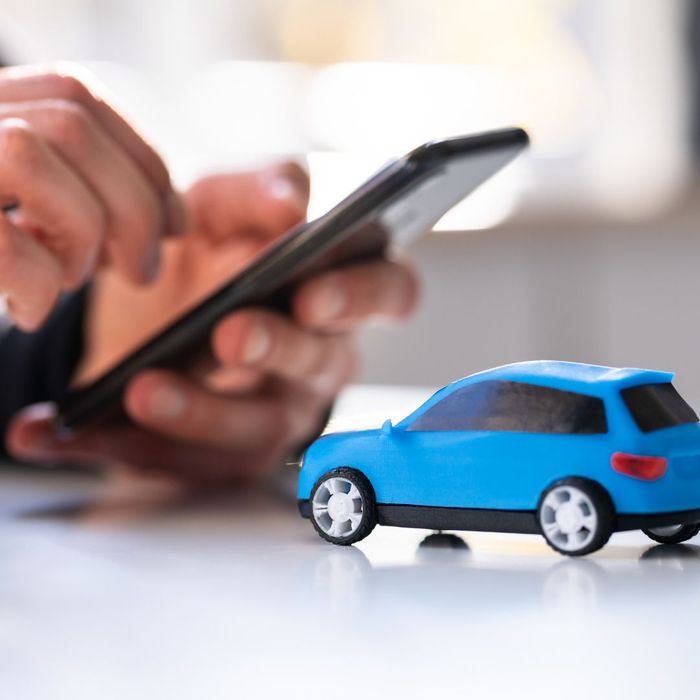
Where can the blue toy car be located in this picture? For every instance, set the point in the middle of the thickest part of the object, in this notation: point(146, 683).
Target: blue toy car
point(574, 452)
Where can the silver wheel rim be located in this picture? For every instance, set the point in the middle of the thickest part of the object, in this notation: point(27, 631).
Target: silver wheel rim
point(666, 531)
point(337, 507)
point(568, 518)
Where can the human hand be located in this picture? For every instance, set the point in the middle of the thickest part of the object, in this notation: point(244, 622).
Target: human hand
point(275, 377)
point(78, 187)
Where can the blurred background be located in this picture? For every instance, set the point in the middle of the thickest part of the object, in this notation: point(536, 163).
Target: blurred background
point(586, 249)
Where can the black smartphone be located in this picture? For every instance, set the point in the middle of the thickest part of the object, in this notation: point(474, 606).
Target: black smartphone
point(403, 200)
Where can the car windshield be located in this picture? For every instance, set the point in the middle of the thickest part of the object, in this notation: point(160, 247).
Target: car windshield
point(656, 406)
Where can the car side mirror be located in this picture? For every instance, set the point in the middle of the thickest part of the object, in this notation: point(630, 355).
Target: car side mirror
point(387, 427)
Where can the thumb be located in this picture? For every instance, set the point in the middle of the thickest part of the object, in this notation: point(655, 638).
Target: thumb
point(265, 202)
point(32, 436)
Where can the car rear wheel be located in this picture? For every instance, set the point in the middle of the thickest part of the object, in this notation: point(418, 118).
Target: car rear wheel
point(576, 516)
point(672, 534)
point(343, 507)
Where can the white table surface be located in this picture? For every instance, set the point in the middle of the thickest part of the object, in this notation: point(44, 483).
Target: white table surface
point(129, 590)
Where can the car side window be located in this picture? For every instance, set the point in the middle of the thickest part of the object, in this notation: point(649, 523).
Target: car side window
point(497, 405)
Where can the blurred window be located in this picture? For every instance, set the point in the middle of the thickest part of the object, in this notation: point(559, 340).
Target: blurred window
point(515, 407)
point(656, 406)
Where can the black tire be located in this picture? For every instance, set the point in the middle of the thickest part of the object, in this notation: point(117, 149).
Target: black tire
point(368, 506)
point(592, 536)
point(683, 534)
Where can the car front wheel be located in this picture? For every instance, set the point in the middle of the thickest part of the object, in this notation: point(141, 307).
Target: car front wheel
point(343, 507)
point(576, 516)
point(672, 534)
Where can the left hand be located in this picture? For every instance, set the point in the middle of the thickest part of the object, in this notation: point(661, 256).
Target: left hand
point(276, 377)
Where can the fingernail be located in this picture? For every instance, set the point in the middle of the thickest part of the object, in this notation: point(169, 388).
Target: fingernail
point(167, 402)
point(257, 344)
point(329, 303)
point(284, 189)
point(176, 214)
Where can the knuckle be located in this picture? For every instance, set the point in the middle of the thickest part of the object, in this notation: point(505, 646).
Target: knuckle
point(68, 86)
point(70, 123)
point(17, 143)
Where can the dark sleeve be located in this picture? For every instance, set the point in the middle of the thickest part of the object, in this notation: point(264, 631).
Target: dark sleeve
point(38, 366)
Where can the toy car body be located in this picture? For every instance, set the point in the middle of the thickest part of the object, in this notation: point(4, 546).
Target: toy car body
point(571, 451)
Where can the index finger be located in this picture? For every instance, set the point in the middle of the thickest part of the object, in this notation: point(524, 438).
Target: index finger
point(25, 83)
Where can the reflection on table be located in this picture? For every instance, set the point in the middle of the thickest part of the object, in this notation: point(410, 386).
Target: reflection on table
point(139, 590)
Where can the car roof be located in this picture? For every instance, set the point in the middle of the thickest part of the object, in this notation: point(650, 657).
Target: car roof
point(595, 380)
point(571, 376)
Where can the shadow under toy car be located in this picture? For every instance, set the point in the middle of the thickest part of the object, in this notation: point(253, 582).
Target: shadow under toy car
point(574, 452)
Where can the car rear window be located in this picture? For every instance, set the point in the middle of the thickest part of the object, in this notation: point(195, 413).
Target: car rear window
point(656, 406)
point(507, 406)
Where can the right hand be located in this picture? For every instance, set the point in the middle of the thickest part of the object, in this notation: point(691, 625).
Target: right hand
point(78, 187)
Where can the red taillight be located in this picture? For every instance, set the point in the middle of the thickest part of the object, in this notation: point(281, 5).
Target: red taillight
point(646, 468)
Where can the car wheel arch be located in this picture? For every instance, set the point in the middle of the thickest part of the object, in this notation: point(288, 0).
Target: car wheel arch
point(324, 474)
point(574, 477)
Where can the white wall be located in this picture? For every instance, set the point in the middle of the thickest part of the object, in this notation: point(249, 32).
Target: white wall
point(607, 294)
